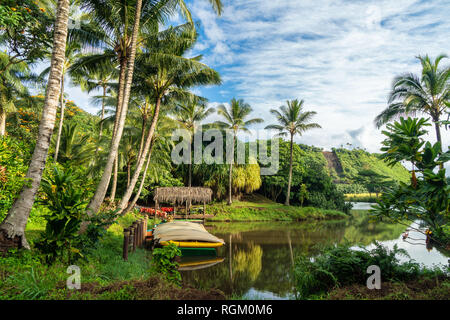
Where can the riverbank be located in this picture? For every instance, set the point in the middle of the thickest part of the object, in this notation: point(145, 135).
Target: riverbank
point(424, 288)
point(104, 273)
point(266, 210)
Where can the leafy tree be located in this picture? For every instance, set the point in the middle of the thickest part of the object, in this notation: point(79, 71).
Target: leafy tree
point(427, 94)
point(235, 120)
point(188, 115)
point(12, 229)
point(293, 120)
point(426, 197)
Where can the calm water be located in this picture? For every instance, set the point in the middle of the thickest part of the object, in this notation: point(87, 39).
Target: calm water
point(257, 258)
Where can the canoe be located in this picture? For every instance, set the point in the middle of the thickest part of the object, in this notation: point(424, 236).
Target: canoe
point(193, 244)
point(186, 234)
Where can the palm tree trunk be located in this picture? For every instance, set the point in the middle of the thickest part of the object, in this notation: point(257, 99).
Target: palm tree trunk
point(128, 174)
point(141, 145)
point(112, 197)
point(61, 119)
point(190, 168)
point(99, 195)
point(288, 196)
point(101, 120)
point(141, 185)
point(230, 174)
point(2, 122)
point(438, 136)
point(140, 163)
point(12, 229)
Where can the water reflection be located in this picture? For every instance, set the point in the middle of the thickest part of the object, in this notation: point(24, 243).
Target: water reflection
point(258, 257)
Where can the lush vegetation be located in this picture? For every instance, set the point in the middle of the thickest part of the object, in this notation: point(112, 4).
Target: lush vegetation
point(340, 266)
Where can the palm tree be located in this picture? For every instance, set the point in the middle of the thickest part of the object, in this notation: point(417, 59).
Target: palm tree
point(72, 54)
point(116, 22)
point(165, 74)
point(292, 120)
point(90, 80)
point(11, 86)
point(235, 120)
point(75, 148)
point(427, 94)
point(12, 229)
point(189, 115)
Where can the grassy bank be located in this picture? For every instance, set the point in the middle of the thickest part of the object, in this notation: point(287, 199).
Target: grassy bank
point(266, 210)
point(340, 272)
point(104, 274)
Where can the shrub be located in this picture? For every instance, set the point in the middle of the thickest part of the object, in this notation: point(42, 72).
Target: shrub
point(164, 262)
point(340, 265)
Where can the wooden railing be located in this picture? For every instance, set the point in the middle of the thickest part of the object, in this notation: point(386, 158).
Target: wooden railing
point(134, 236)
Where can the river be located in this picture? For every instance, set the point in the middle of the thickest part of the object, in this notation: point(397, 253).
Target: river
point(258, 257)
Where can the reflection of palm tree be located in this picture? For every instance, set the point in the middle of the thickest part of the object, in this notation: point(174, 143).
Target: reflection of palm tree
point(231, 262)
point(290, 247)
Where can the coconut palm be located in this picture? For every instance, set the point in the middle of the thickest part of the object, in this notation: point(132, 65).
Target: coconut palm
point(235, 119)
point(75, 147)
point(11, 86)
point(91, 80)
point(72, 54)
point(428, 93)
point(117, 22)
point(292, 120)
point(166, 74)
point(12, 229)
point(188, 115)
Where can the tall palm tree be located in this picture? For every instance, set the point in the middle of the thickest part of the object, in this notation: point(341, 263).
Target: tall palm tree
point(235, 120)
point(428, 93)
point(91, 80)
point(161, 143)
point(167, 74)
point(72, 54)
point(154, 12)
point(188, 115)
point(292, 120)
point(11, 86)
point(12, 229)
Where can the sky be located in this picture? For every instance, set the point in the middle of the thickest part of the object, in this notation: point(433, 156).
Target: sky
point(339, 56)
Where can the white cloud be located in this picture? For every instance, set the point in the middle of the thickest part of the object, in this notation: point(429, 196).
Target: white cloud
point(340, 56)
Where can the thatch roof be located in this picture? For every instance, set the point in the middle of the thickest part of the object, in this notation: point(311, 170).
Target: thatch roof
point(181, 194)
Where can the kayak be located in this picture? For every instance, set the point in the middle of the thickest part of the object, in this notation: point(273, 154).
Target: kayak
point(192, 244)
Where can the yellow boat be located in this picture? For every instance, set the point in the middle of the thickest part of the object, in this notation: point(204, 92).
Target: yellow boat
point(192, 244)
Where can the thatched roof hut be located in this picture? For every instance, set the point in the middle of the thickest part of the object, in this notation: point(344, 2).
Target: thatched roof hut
point(179, 195)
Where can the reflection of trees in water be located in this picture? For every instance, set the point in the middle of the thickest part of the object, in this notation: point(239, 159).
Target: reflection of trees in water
point(280, 243)
point(235, 275)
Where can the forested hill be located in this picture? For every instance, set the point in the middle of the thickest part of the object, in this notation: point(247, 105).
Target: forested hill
point(358, 167)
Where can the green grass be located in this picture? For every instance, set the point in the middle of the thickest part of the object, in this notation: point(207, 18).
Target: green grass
point(266, 210)
point(24, 276)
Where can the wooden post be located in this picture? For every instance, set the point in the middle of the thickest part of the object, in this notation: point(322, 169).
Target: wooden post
point(126, 242)
point(142, 232)
point(186, 211)
point(140, 227)
point(145, 228)
point(154, 215)
point(132, 238)
point(136, 235)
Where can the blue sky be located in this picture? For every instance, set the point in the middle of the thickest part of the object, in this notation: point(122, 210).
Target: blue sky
point(339, 56)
